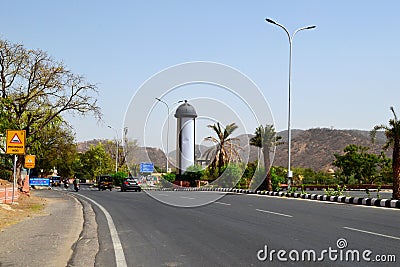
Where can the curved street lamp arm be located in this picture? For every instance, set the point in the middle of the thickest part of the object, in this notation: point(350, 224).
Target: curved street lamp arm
point(303, 28)
point(287, 32)
point(280, 25)
point(165, 103)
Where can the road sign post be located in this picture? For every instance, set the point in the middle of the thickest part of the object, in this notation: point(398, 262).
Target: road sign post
point(29, 164)
point(15, 144)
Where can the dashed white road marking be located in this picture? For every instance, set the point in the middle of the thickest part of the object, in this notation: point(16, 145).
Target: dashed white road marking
point(372, 233)
point(275, 213)
point(188, 197)
point(222, 203)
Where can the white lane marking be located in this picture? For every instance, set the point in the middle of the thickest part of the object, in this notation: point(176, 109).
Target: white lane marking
point(118, 250)
point(333, 203)
point(222, 203)
point(188, 197)
point(275, 213)
point(372, 233)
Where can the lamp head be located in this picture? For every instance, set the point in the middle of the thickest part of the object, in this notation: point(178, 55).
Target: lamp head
point(270, 21)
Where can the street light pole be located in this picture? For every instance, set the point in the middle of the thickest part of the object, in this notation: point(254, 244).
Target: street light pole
point(116, 153)
point(158, 99)
point(290, 37)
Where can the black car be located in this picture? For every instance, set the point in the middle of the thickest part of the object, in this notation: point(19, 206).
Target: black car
point(55, 180)
point(130, 184)
point(105, 182)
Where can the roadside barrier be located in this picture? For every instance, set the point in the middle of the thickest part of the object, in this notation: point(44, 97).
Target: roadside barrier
point(6, 194)
point(340, 199)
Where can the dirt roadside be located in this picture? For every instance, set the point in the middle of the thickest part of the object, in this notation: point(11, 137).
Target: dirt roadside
point(41, 230)
point(24, 207)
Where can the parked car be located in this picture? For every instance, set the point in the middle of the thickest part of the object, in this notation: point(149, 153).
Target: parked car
point(105, 182)
point(130, 184)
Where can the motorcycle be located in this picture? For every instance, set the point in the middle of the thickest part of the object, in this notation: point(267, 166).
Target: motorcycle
point(76, 187)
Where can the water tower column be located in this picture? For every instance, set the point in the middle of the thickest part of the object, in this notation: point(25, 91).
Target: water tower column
point(185, 149)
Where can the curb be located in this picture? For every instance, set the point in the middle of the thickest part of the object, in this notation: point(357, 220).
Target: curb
point(86, 247)
point(340, 199)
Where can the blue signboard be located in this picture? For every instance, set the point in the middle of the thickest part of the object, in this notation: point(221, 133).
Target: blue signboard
point(146, 167)
point(39, 181)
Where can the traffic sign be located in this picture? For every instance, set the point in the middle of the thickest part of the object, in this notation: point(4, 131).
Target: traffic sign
point(146, 167)
point(39, 181)
point(15, 142)
point(30, 161)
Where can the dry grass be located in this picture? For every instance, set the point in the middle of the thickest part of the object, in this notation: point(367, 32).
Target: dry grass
point(23, 207)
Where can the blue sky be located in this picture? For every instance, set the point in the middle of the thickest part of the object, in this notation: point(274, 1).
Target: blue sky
point(345, 72)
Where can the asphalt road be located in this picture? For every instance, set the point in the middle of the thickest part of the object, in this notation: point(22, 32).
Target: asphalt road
point(241, 230)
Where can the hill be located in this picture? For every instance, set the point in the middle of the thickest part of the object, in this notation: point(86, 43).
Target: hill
point(313, 148)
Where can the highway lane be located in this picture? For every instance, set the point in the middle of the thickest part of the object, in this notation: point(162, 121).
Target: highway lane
point(232, 230)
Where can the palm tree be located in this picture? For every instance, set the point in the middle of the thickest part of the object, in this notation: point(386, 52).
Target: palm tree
point(266, 139)
point(392, 133)
point(226, 148)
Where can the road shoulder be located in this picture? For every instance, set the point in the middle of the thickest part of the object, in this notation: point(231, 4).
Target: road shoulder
point(45, 240)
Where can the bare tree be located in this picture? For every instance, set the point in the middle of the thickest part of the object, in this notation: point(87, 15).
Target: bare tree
point(36, 90)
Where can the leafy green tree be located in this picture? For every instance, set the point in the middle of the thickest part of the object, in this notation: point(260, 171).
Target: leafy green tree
point(118, 177)
point(226, 148)
point(385, 167)
point(392, 132)
point(266, 139)
point(35, 90)
point(170, 177)
point(54, 146)
point(276, 179)
point(193, 173)
point(125, 149)
point(248, 174)
point(358, 163)
point(95, 162)
point(231, 176)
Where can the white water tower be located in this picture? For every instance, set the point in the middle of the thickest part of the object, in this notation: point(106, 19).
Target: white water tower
point(185, 144)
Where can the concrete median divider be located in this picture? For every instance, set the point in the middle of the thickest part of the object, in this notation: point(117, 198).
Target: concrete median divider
point(339, 199)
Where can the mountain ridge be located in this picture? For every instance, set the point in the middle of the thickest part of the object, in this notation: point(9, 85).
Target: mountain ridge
point(313, 148)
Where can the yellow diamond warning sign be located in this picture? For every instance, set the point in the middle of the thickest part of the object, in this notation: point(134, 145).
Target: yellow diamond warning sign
point(15, 142)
